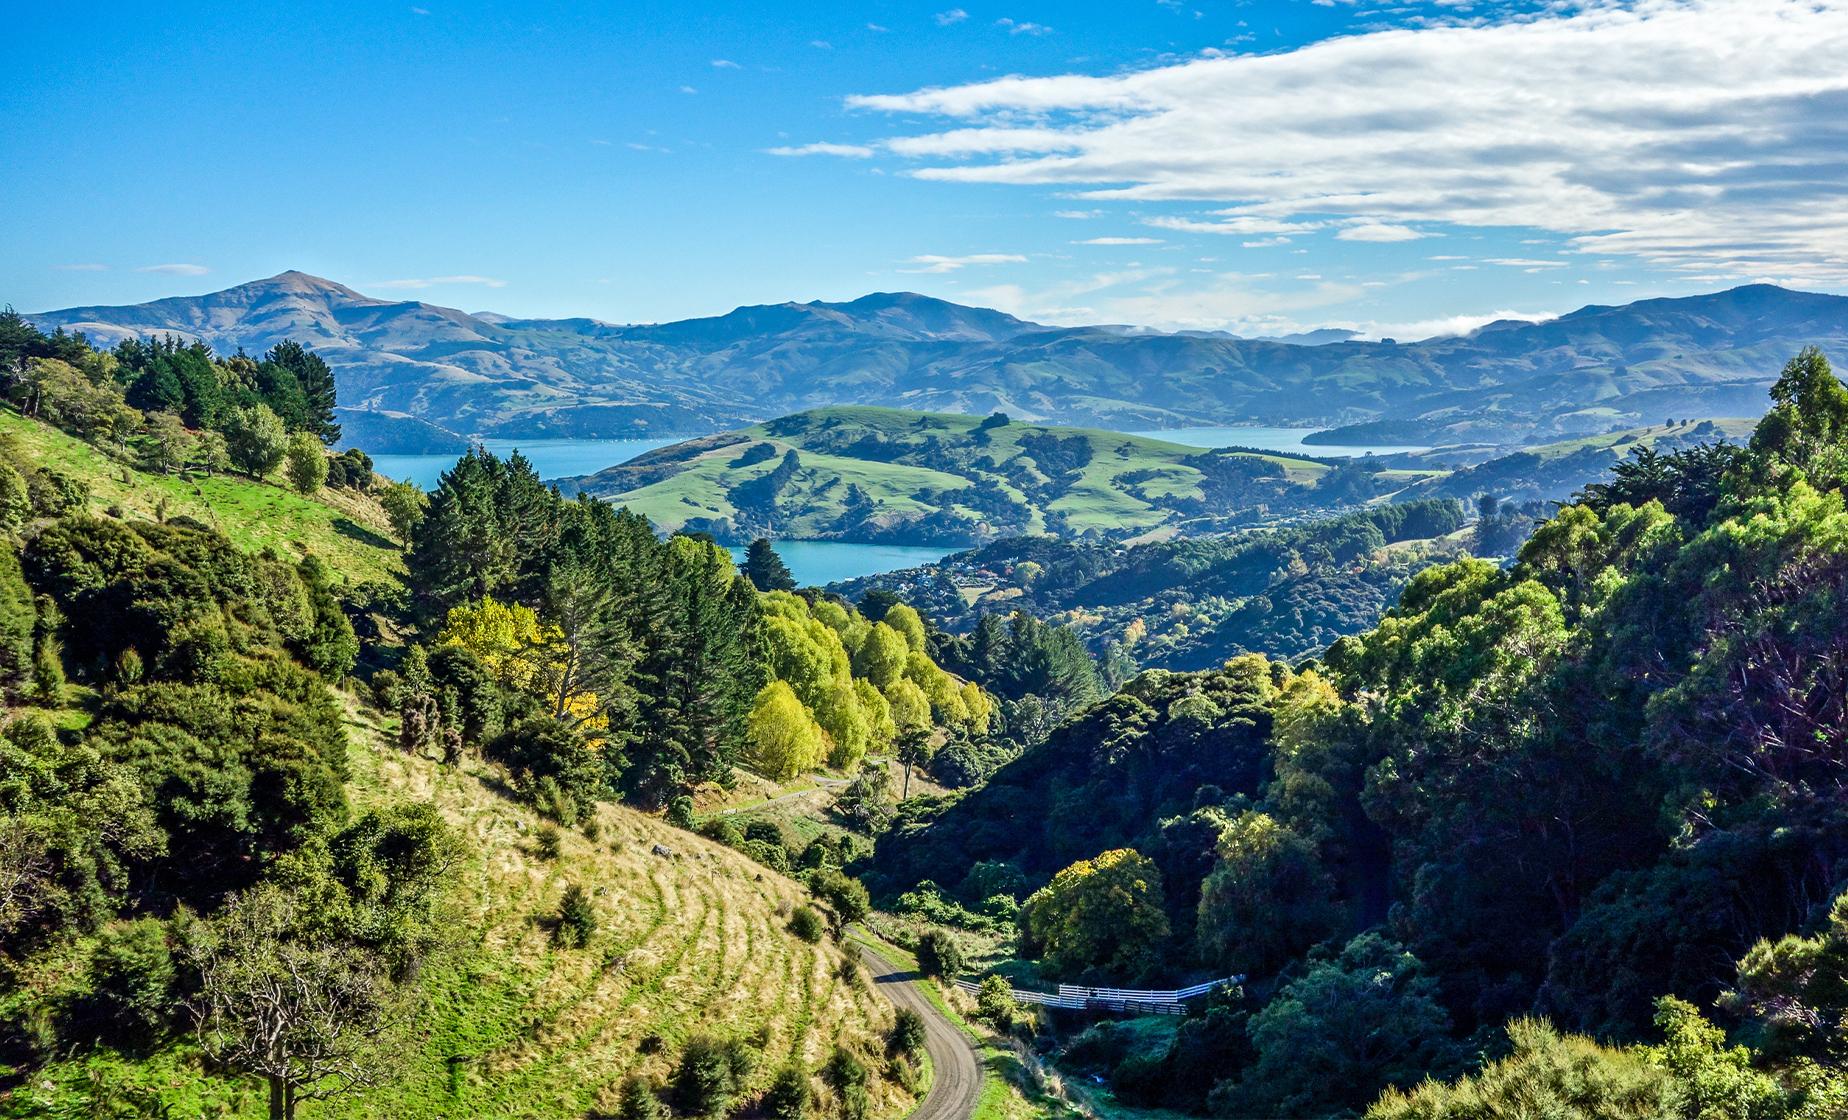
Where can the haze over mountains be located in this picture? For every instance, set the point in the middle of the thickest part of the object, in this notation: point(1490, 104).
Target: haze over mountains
point(399, 362)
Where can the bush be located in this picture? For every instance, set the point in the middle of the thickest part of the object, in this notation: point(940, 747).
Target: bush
point(845, 894)
point(638, 1101)
point(710, 1075)
point(305, 463)
point(131, 995)
point(907, 1036)
point(806, 923)
point(680, 812)
point(770, 855)
point(995, 1004)
point(547, 841)
point(722, 830)
point(939, 955)
point(766, 832)
point(848, 1077)
point(788, 1095)
point(577, 919)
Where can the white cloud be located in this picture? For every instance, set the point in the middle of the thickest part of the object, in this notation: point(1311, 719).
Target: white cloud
point(1120, 241)
point(877, 29)
point(954, 15)
point(688, 89)
point(725, 64)
point(821, 44)
point(438, 281)
point(1379, 232)
point(176, 269)
point(1078, 215)
point(1023, 27)
point(80, 267)
point(823, 148)
point(1702, 136)
point(1524, 262)
point(932, 264)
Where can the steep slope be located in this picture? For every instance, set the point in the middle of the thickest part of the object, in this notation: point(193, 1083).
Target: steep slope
point(692, 942)
point(876, 474)
point(484, 374)
point(347, 530)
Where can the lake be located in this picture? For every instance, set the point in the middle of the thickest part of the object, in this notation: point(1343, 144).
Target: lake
point(1288, 441)
point(819, 563)
point(552, 458)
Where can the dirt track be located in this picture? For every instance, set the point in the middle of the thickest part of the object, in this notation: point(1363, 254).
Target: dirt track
point(956, 1085)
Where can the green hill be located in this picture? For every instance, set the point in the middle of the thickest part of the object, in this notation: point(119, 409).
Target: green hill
point(888, 474)
point(345, 529)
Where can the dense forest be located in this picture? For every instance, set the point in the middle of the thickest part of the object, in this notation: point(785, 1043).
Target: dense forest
point(1194, 602)
point(1570, 829)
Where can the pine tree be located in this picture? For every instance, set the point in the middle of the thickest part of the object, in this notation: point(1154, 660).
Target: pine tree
point(765, 569)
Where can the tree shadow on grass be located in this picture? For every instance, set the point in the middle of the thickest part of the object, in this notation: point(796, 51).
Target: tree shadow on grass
point(347, 527)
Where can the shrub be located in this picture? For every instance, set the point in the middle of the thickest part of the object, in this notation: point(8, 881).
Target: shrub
point(806, 923)
point(995, 1003)
point(845, 894)
point(131, 993)
point(577, 919)
point(848, 1076)
point(907, 1036)
point(680, 812)
point(547, 841)
point(638, 1101)
point(939, 955)
point(724, 830)
point(710, 1075)
point(770, 855)
point(788, 1095)
point(766, 832)
point(305, 463)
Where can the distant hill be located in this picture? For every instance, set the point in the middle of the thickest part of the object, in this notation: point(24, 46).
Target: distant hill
point(884, 474)
point(485, 374)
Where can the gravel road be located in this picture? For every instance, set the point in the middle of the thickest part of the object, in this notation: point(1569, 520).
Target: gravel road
point(957, 1083)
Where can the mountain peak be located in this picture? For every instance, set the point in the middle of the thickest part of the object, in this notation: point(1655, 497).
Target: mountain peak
point(303, 283)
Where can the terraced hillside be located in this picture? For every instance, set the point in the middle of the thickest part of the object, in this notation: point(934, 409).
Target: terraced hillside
point(691, 942)
point(889, 474)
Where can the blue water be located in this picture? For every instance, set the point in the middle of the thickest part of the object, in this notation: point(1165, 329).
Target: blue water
point(552, 458)
point(1286, 440)
point(819, 563)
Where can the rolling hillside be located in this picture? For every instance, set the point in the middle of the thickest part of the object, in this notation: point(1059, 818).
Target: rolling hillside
point(347, 530)
point(690, 942)
point(877, 474)
point(487, 375)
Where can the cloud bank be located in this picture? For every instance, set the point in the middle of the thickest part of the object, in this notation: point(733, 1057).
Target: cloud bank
point(1706, 137)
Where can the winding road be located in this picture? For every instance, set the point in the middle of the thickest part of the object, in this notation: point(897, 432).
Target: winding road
point(956, 1085)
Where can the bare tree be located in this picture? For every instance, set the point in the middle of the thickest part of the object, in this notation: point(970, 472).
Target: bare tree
point(304, 1013)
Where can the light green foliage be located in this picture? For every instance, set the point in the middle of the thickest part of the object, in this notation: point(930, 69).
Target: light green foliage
point(1103, 915)
point(305, 463)
point(15, 500)
point(256, 440)
point(910, 706)
point(881, 657)
point(18, 619)
point(404, 504)
point(785, 739)
point(1561, 1077)
point(910, 626)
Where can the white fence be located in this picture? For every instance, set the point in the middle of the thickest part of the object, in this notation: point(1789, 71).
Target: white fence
point(1073, 997)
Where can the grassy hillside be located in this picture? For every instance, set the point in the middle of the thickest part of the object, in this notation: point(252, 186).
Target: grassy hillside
point(689, 943)
point(1554, 471)
point(346, 530)
point(877, 473)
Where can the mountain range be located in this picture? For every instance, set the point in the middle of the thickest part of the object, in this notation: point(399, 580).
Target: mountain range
point(405, 366)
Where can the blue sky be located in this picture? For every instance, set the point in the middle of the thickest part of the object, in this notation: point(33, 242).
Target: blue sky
point(1251, 166)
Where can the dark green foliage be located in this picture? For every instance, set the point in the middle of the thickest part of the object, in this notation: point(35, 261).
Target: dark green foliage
point(806, 924)
point(555, 768)
point(577, 919)
point(131, 1000)
point(788, 1096)
point(298, 384)
point(680, 812)
point(18, 622)
point(547, 841)
point(1331, 1040)
point(765, 569)
point(939, 955)
point(330, 646)
point(848, 1076)
point(467, 694)
point(710, 1075)
point(638, 1101)
point(907, 1034)
point(845, 895)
